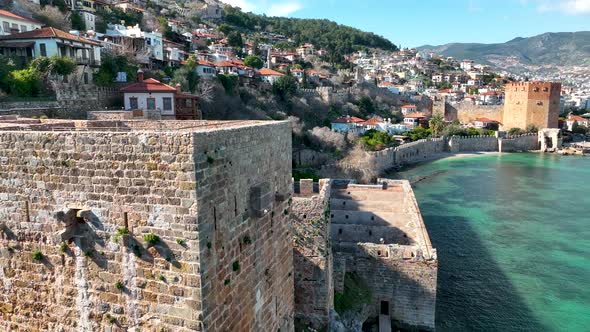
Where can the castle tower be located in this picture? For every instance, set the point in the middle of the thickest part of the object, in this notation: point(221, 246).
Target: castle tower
point(535, 103)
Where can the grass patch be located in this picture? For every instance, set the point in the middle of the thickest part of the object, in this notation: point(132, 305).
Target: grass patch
point(151, 239)
point(37, 255)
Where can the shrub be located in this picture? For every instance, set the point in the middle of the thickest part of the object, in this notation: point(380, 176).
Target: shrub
point(355, 294)
point(62, 65)
point(247, 239)
point(235, 266)
point(375, 140)
point(151, 239)
point(229, 82)
point(37, 255)
point(119, 285)
point(24, 82)
point(180, 242)
point(226, 281)
point(63, 247)
point(515, 131)
point(121, 232)
point(284, 87)
point(254, 61)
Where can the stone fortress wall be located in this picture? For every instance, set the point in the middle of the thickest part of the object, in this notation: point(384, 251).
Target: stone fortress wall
point(379, 236)
point(213, 192)
point(426, 149)
point(314, 290)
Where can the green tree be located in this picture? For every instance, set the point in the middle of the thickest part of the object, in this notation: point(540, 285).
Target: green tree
point(225, 29)
point(24, 82)
point(375, 140)
point(8, 65)
point(253, 61)
point(531, 128)
point(418, 133)
point(515, 131)
point(110, 66)
point(62, 66)
point(366, 106)
point(284, 87)
point(234, 39)
point(78, 22)
point(444, 85)
point(436, 124)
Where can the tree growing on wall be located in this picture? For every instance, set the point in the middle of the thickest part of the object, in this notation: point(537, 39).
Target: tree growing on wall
point(284, 87)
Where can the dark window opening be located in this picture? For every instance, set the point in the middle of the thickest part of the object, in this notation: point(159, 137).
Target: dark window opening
point(384, 307)
point(340, 231)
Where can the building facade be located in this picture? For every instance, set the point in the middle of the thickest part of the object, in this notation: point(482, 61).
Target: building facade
point(12, 23)
point(531, 103)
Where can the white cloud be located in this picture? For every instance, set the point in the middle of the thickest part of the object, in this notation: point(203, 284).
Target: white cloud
point(571, 7)
point(269, 7)
point(284, 9)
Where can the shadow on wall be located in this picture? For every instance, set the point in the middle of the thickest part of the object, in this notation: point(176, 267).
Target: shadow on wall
point(403, 289)
point(474, 294)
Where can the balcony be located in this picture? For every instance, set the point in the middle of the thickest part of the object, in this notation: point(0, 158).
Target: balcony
point(87, 61)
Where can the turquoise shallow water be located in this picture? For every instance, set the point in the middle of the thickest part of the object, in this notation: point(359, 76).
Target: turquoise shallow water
point(513, 238)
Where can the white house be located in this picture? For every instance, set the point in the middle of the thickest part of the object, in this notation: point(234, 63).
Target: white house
point(153, 40)
point(269, 75)
point(409, 109)
point(414, 120)
point(89, 20)
point(150, 95)
point(206, 69)
point(48, 42)
point(13, 23)
point(572, 119)
point(485, 123)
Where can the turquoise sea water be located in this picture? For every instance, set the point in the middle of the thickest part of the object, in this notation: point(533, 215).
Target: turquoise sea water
point(513, 238)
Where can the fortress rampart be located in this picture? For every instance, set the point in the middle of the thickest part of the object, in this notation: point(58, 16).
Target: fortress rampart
point(148, 225)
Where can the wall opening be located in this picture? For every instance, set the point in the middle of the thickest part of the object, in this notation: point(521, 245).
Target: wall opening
point(384, 307)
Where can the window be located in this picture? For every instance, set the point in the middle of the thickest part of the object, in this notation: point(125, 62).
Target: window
point(133, 103)
point(15, 27)
point(167, 103)
point(6, 27)
point(23, 28)
point(72, 53)
point(42, 49)
point(536, 89)
point(545, 89)
point(151, 103)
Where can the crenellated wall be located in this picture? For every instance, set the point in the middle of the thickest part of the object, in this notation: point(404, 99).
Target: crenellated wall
point(459, 144)
point(526, 142)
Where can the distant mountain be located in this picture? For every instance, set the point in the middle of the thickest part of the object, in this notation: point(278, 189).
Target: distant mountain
point(561, 49)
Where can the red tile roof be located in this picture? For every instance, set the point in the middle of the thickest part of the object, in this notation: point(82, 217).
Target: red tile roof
point(486, 120)
point(415, 116)
point(409, 106)
point(17, 17)
point(348, 119)
point(371, 122)
point(206, 63)
point(48, 32)
point(577, 118)
point(149, 85)
point(269, 72)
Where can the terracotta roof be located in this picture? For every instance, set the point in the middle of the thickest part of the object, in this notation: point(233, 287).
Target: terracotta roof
point(409, 106)
point(206, 63)
point(348, 119)
point(385, 84)
point(371, 122)
point(486, 120)
point(48, 32)
point(577, 118)
point(415, 116)
point(17, 17)
point(149, 85)
point(269, 72)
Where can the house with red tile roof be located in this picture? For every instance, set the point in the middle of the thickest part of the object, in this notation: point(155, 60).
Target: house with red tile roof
point(48, 42)
point(12, 23)
point(414, 119)
point(409, 109)
point(347, 124)
point(206, 69)
point(152, 99)
point(269, 76)
point(576, 119)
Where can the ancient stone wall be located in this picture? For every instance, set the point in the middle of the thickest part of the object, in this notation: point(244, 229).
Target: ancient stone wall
point(459, 144)
point(243, 189)
point(109, 115)
point(397, 275)
point(526, 142)
point(310, 158)
point(76, 207)
point(467, 112)
point(314, 292)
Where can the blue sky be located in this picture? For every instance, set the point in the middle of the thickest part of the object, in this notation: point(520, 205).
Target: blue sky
point(417, 22)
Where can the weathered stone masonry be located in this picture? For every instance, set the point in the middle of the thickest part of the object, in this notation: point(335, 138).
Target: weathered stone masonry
point(314, 291)
point(214, 193)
